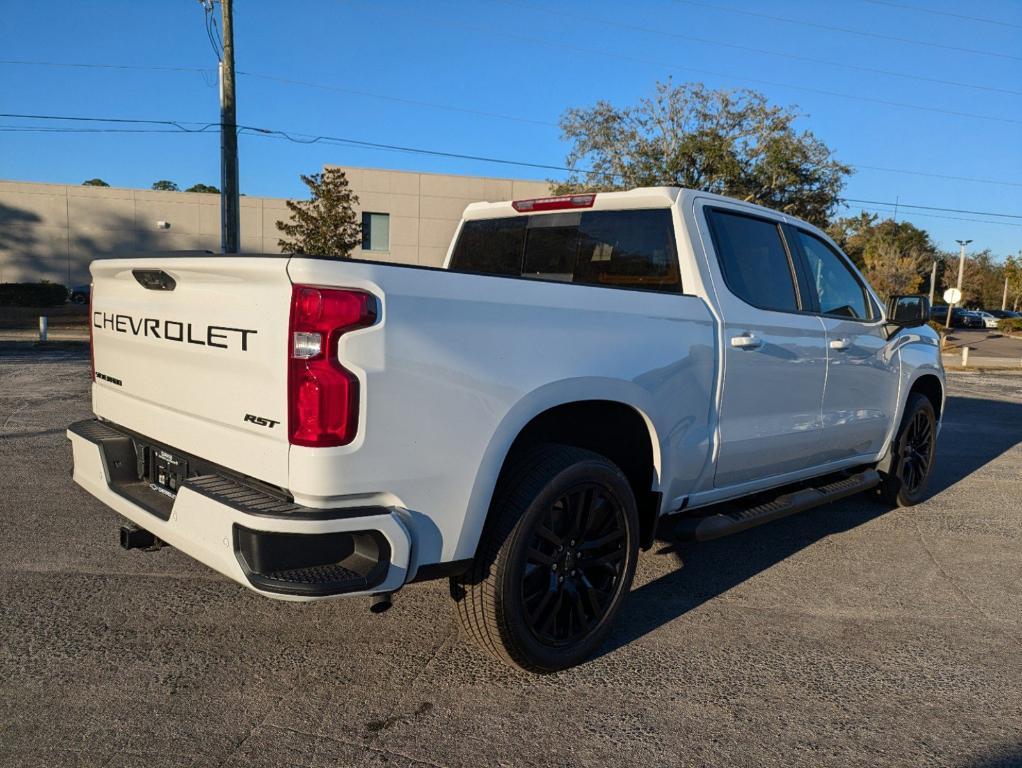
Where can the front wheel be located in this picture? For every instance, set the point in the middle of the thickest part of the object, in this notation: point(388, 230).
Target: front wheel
point(914, 450)
point(555, 563)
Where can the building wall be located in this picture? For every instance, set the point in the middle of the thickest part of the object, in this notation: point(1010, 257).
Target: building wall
point(52, 231)
point(425, 208)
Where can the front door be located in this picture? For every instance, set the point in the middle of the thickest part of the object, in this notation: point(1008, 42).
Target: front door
point(774, 357)
point(862, 374)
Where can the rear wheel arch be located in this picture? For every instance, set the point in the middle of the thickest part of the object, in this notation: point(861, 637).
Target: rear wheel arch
point(616, 430)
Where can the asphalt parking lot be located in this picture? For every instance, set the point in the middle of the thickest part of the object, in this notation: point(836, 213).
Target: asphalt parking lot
point(851, 635)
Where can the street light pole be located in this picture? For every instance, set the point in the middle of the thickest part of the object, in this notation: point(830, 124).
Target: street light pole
point(961, 273)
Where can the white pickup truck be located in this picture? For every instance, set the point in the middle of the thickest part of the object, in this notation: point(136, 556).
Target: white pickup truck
point(518, 421)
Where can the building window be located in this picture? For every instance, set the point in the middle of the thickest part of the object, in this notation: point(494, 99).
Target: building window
point(375, 231)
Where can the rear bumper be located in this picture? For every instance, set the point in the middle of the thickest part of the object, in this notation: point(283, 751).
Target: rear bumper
point(270, 545)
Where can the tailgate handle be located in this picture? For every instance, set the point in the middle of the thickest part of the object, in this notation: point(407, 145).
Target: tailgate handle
point(154, 279)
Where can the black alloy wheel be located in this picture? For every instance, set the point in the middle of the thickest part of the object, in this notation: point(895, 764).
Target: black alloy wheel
point(555, 561)
point(574, 564)
point(914, 450)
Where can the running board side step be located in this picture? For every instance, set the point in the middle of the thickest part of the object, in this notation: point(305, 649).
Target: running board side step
point(725, 523)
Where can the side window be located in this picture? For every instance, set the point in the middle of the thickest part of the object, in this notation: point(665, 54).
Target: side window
point(629, 249)
point(551, 246)
point(490, 247)
point(839, 291)
point(754, 261)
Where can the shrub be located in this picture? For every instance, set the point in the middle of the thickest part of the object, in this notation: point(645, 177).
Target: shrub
point(32, 294)
point(1010, 325)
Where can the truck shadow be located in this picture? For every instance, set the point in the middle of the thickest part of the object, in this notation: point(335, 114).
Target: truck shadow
point(976, 431)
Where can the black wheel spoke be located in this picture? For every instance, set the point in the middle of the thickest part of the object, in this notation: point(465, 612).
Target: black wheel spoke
point(545, 533)
point(536, 556)
point(603, 541)
point(573, 566)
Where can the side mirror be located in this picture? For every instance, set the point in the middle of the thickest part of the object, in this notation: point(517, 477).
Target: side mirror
point(908, 311)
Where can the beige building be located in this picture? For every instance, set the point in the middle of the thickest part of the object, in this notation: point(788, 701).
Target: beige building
point(52, 231)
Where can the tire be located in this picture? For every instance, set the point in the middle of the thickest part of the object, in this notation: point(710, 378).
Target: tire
point(539, 595)
point(913, 452)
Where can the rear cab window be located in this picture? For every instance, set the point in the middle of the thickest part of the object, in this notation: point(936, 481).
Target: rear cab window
point(632, 249)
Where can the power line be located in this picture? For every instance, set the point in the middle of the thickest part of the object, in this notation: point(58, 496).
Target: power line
point(398, 99)
point(935, 208)
point(857, 166)
point(49, 129)
point(950, 14)
point(913, 214)
point(80, 65)
point(306, 138)
point(782, 54)
point(715, 73)
point(179, 124)
point(850, 31)
point(452, 108)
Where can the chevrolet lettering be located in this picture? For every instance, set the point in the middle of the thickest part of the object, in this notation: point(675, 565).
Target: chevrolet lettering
point(220, 336)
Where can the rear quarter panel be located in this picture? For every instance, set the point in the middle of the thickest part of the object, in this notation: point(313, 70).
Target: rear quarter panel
point(458, 364)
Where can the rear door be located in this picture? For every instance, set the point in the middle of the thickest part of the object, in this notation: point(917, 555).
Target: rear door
point(192, 353)
point(862, 375)
point(775, 356)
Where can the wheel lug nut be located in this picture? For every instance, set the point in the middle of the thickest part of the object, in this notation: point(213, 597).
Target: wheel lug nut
point(554, 566)
point(560, 578)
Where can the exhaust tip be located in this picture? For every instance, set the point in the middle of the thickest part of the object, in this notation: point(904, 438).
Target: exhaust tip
point(381, 603)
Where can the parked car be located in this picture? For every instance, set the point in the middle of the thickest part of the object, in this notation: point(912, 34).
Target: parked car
point(1004, 314)
point(972, 319)
point(79, 294)
point(959, 317)
point(582, 368)
point(989, 321)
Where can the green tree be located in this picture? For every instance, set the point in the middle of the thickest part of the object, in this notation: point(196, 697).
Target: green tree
point(94, 183)
point(893, 270)
point(163, 185)
point(857, 234)
point(982, 280)
point(203, 188)
point(896, 256)
point(732, 142)
point(325, 225)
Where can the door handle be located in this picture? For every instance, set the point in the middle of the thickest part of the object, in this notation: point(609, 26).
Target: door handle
point(746, 341)
point(840, 344)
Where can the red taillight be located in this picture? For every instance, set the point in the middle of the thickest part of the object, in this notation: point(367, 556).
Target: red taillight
point(92, 346)
point(555, 203)
point(322, 395)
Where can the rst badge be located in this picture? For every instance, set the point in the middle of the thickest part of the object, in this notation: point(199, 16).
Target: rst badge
point(261, 421)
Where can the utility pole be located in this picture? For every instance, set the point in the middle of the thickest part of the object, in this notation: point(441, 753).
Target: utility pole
point(1004, 298)
point(230, 213)
point(961, 273)
point(933, 281)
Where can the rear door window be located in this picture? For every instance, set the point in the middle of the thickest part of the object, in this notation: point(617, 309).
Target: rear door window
point(613, 249)
point(754, 260)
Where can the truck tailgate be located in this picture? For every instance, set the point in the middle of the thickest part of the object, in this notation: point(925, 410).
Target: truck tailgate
point(192, 353)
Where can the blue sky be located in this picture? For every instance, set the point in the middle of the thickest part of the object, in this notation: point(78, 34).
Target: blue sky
point(491, 78)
